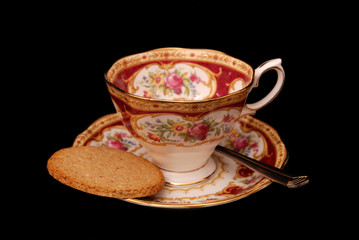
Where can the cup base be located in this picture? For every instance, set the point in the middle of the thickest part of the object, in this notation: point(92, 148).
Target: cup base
point(192, 177)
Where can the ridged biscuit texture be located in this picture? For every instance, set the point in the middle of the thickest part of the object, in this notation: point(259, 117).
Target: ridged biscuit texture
point(105, 172)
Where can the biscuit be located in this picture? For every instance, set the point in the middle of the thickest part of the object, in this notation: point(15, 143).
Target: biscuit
point(105, 172)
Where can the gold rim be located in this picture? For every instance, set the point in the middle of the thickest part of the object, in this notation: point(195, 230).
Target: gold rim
point(191, 183)
point(264, 183)
point(226, 60)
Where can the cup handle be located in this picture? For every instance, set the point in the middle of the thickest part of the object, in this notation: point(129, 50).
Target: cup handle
point(274, 64)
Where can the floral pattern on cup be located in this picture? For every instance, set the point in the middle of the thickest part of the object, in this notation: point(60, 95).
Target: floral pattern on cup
point(175, 81)
point(174, 129)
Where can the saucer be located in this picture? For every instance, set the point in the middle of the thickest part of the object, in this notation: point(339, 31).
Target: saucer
point(230, 181)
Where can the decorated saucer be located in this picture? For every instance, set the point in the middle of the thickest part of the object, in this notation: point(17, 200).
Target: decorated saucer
point(230, 181)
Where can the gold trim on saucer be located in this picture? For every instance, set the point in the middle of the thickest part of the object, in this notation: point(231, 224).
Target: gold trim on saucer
point(191, 183)
point(223, 186)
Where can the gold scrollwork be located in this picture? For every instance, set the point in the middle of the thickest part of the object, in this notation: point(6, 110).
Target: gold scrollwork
point(173, 54)
point(232, 87)
point(155, 105)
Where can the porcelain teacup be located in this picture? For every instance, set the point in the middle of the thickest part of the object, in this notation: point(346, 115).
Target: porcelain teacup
point(180, 103)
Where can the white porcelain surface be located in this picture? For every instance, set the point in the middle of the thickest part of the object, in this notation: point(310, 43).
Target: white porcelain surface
point(230, 180)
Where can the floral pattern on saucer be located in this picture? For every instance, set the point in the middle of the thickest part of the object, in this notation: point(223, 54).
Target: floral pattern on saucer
point(230, 181)
point(249, 143)
point(117, 137)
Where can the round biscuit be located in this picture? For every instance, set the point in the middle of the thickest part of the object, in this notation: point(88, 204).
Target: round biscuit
point(105, 172)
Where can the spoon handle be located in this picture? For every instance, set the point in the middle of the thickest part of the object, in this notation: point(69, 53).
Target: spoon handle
point(275, 174)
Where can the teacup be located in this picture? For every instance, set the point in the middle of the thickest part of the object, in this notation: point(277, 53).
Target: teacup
point(180, 103)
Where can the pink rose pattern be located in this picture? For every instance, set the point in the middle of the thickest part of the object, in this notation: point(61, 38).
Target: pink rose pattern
point(120, 141)
point(179, 130)
point(198, 130)
point(174, 81)
point(171, 83)
point(240, 142)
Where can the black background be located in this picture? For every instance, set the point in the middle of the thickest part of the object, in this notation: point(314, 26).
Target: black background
point(67, 93)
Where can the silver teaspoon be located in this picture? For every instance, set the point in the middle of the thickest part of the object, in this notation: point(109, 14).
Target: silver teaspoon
point(275, 174)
